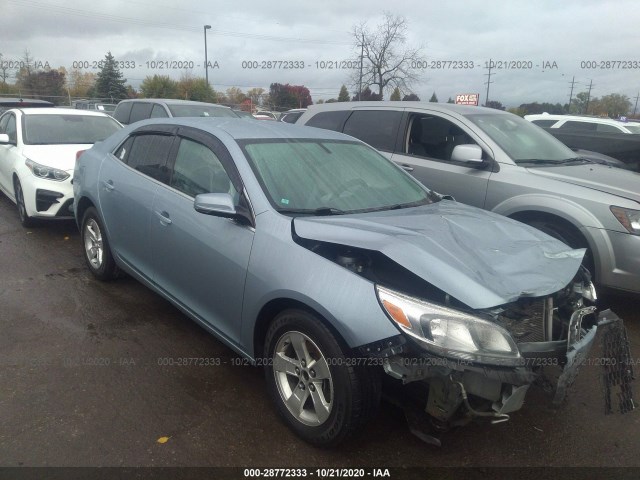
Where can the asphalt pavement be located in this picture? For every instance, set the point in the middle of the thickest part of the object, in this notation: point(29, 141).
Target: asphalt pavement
point(90, 375)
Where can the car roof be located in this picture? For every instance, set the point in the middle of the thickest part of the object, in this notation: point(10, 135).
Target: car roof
point(172, 101)
point(241, 129)
point(411, 105)
point(581, 118)
point(61, 111)
point(6, 101)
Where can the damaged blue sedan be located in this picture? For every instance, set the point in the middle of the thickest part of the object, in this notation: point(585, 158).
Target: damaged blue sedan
point(312, 255)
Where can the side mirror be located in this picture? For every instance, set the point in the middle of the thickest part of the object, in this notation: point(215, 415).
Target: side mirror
point(218, 204)
point(467, 153)
point(4, 139)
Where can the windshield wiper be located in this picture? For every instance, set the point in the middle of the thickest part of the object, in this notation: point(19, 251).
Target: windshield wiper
point(542, 161)
point(320, 211)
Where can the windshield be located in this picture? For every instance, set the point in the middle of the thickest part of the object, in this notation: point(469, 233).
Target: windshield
point(329, 176)
point(67, 129)
point(201, 111)
point(523, 141)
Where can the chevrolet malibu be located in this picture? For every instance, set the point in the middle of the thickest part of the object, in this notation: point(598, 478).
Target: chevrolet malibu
point(38, 150)
point(312, 255)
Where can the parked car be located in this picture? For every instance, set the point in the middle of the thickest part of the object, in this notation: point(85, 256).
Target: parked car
point(96, 106)
point(6, 103)
point(583, 123)
point(265, 115)
point(38, 150)
point(309, 253)
point(131, 111)
point(498, 161)
point(290, 116)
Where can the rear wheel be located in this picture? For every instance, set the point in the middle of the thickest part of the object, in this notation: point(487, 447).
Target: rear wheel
point(25, 219)
point(322, 394)
point(97, 252)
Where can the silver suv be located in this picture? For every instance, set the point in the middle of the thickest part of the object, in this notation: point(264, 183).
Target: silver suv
point(503, 163)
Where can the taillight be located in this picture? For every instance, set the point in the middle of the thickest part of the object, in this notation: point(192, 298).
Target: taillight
point(79, 154)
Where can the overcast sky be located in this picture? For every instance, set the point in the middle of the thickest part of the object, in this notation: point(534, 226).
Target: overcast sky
point(561, 35)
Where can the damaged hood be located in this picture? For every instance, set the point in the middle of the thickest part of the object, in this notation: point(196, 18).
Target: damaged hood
point(616, 181)
point(480, 258)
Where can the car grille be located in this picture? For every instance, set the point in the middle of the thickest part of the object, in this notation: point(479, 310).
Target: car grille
point(524, 320)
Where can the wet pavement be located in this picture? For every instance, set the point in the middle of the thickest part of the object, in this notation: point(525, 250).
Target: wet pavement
point(89, 376)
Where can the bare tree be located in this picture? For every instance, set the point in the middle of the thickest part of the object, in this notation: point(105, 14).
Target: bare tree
point(387, 62)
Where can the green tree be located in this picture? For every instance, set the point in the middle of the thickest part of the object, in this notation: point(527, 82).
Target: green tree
point(434, 98)
point(450, 100)
point(159, 86)
point(109, 82)
point(612, 105)
point(579, 103)
point(235, 96)
point(395, 96)
point(47, 85)
point(412, 97)
point(191, 88)
point(494, 104)
point(343, 96)
point(258, 96)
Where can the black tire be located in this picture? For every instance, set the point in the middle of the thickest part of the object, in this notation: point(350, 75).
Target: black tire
point(97, 252)
point(352, 390)
point(25, 219)
point(571, 238)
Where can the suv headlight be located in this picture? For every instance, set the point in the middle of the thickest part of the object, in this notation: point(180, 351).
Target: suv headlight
point(448, 332)
point(43, 171)
point(630, 219)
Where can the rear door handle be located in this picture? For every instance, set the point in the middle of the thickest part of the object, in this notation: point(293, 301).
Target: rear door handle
point(164, 218)
point(109, 185)
point(406, 167)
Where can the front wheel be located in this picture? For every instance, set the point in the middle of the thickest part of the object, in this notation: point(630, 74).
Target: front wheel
point(568, 237)
point(25, 219)
point(97, 252)
point(321, 393)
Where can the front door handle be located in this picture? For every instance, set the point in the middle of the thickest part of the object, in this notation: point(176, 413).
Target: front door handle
point(406, 167)
point(164, 218)
point(109, 185)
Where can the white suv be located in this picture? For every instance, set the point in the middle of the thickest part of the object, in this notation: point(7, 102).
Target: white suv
point(38, 150)
point(576, 123)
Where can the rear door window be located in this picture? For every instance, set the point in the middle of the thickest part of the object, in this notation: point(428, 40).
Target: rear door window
point(149, 155)
point(123, 111)
point(140, 111)
point(158, 112)
point(577, 126)
point(378, 128)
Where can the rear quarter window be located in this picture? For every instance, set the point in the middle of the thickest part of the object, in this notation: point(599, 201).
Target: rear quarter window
point(329, 120)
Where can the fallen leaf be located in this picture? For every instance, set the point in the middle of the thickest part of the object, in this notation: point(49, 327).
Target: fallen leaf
point(163, 439)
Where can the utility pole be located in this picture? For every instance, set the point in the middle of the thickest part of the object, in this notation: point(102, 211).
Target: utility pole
point(489, 82)
point(636, 105)
point(573, 82)
point(206, 58)
point(589, 96)
point(361, 62)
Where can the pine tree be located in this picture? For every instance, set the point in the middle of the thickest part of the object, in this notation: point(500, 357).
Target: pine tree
point(395, 96)
point(343, 96)
point(434, 98)
point(109, 82)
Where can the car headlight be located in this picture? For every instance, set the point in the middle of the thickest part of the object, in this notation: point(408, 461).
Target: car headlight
point(448, 332)
point(630, 219)
point(43, 171)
